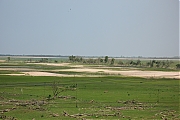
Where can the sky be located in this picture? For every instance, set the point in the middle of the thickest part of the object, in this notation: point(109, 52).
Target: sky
point(148, 28)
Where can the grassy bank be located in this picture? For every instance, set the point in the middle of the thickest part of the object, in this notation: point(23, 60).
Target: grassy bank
point(93, 98)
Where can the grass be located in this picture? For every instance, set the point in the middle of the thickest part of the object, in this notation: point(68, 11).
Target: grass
point(159, 69)
point(32, 66)
point(94, 98)
point(47, 67)
point(77, 73)
point(9, 72)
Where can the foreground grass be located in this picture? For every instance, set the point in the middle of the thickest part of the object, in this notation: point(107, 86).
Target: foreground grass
point(92, 98)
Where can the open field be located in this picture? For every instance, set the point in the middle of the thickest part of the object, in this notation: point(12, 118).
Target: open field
point(89, 98)
point(82, 91)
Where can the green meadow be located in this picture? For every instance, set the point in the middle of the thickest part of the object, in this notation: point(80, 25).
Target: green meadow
point(111, 97)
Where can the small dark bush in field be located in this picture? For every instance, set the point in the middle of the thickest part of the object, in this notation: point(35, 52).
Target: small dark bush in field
point(49, 97)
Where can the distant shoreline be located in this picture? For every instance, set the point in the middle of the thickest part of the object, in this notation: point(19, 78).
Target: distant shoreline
point(86, 57)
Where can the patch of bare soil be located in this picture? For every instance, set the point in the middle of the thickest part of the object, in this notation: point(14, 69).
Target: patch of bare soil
point(51, 64)
point(155, 74)
point(77, 66)
point(59, 64)
point(2, 60)
point(17, 69)
point(55, 74)
point(46, 74)
point(136, 73)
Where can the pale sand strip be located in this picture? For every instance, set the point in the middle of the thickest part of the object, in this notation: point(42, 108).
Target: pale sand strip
point(137, 73)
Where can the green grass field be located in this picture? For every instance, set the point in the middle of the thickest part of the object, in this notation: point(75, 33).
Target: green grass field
point(28, 97)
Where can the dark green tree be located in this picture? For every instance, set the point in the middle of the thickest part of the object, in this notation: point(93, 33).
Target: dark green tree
point(112, 61)
point(177, 66)
point(101, 60)
point(133, 63)
point(158, 63)
point(72, 58)
point(106, 59)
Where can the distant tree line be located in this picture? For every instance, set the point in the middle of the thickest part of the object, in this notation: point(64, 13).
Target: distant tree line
point(44, 60)
point(125, 63)
point(105, 60)
point(150, 64)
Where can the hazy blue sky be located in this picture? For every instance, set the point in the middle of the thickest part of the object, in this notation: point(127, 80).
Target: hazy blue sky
point(90, 27)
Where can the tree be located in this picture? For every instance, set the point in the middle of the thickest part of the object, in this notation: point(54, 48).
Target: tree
point(44, 60)
point(152, 63)
point(133, 63)
point(112, 61)
point(106, 59)
point(101, 60)
point(178, 66)
point(81, 59)
point(72, 58)
point(163, 64)
point(75, 59)
point(9, 59)
point(158, 63)
point(138, 62)
point(148, 64)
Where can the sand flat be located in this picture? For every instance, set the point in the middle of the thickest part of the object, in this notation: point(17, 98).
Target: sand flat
point(136, 73)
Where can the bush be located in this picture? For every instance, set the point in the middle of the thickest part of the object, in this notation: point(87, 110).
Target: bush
point(178, 66)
